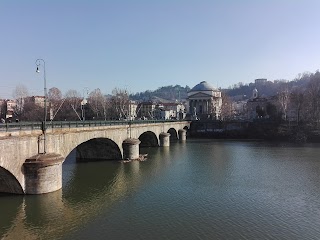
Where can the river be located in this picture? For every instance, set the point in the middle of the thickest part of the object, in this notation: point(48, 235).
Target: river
point(200, 189)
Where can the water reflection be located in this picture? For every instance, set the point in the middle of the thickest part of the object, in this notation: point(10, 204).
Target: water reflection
point(88, 188)
point(199, 189)
point(11, 207)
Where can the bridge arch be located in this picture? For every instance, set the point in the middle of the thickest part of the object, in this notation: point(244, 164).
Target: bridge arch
point(9, 183)
point(98, 149)
point(173, 134)
point(148, 139)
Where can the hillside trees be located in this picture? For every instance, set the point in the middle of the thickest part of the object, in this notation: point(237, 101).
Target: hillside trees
point(171, 92)
point(272, 112)
point(284, 99)
point(312, 95)
point(297, 99)
point(226, 108)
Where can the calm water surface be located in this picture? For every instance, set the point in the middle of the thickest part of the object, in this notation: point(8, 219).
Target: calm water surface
point(201, 189)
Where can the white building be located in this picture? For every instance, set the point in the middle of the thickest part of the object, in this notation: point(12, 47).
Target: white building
point(170, 110)
point(132, 109)
point(205, 101)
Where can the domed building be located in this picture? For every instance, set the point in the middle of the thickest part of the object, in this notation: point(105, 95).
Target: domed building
point(205, 101)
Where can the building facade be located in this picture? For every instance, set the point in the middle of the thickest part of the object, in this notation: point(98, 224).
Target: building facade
point(7, 110)
point(205, 101)
point(170, 110)
point(146, 110)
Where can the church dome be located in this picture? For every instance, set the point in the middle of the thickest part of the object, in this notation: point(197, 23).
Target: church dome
point(203, 86)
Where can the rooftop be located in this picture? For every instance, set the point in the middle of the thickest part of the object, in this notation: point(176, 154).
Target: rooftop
point(203, 86)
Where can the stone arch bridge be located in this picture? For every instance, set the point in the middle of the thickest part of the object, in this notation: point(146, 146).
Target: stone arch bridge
point(31, 165)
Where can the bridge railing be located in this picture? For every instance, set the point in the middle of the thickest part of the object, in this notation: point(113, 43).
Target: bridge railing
point(9, 127)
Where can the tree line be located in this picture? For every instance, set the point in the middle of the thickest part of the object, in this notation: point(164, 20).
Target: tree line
point(72, 106)
point(301, 96)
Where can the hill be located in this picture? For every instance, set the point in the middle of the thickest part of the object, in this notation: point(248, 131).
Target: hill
point(171, 93)
point(238, 91)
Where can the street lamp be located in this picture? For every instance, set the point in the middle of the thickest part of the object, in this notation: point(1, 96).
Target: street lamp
point(83, 103)
point(130, 116)
point(44, 127)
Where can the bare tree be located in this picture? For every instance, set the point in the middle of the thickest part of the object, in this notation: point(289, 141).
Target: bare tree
point(226, 108)
point(297, 100)
point(284, 99)
point(20, 91)
point(106, 105)
point(120, 103)
point(19, 94)
point(313, 97)
point(55, 101)
point(72, 105)
point(31, 110)
point(97, 103)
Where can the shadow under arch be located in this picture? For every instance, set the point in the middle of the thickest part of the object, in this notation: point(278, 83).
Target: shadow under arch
point(187, 129)
point(173, 134)
point(9, 183)
point(148, 139)
point(98, 149)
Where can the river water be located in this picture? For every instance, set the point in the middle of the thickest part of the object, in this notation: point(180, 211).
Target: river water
point(201, 189)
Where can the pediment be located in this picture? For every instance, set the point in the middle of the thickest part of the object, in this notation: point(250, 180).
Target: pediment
point(200, 95)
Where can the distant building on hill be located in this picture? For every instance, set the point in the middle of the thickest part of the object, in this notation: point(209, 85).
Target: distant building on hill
point(256, 106)
point(260, 81)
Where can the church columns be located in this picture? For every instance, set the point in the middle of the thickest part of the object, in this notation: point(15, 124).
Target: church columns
point(206, 106)
point(203, 106)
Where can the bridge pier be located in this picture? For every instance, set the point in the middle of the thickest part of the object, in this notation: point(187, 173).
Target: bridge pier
point(164, 139)
point(182, 135)
point(130, 148)
point(43, 173)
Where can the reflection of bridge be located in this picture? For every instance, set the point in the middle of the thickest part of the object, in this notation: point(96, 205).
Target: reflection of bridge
point(24, 171)
point(79, 202)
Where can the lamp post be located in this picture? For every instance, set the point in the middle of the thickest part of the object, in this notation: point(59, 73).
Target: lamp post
point(83, 103)
point(44, 127)
point(130, 116)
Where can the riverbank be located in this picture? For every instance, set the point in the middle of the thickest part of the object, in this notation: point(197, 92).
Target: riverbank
point(263, 130)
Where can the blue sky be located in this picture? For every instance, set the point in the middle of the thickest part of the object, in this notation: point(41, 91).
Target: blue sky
point(142, 45)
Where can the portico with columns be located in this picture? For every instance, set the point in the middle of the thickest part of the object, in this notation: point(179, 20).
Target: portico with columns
point(205, 101)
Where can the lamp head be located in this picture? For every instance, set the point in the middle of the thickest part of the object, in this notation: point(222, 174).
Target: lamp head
point(37, 70)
